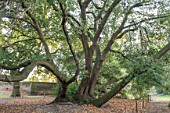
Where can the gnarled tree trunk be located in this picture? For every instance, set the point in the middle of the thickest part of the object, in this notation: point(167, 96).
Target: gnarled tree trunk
point(62, 93)
point(82, 93)
point(16, 89)
point(117, 88)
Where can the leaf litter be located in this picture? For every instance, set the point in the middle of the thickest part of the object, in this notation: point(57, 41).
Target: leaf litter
point(115, 105)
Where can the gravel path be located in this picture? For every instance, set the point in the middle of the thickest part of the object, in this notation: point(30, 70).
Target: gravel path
point(158, 106)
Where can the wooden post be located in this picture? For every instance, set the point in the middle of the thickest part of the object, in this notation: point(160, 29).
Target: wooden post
point(146, 102)
point(21, 95)
point(133, 110)
point(136, 106)
point(44, 95)
point(143, 103)
point(149, 98)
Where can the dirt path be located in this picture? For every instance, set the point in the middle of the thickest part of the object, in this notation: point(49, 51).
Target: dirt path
point(2, 100)
point(158, 105)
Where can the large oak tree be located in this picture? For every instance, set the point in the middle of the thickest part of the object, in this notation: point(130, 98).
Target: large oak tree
point(74, 38)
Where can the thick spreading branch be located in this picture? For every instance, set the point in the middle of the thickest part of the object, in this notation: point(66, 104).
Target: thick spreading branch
point(15, 67)
point(83, 37)
point(20, 75)
point(117, 34)
point(52, 69)
point(161, 52)
point(117, 88)
point(104, 20)
point(28, 67)
point(69, 43)
point(86, 3)
point(126, 31)
point(68, 15)
point(101, 57)
point(102, 10)
point(7, 78)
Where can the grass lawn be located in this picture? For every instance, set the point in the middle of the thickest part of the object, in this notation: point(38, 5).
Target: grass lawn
point(162, 97)
point(5, 95)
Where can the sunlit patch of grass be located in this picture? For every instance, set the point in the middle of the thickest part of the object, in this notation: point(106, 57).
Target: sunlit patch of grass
point(5, 95)
point(164, 97)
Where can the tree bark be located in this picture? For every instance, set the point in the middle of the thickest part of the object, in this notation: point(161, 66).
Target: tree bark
point(93, 82)
point(102, 100)
point(16, 89)
point(82, 93)
point(62, 93)
point(165, 49)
